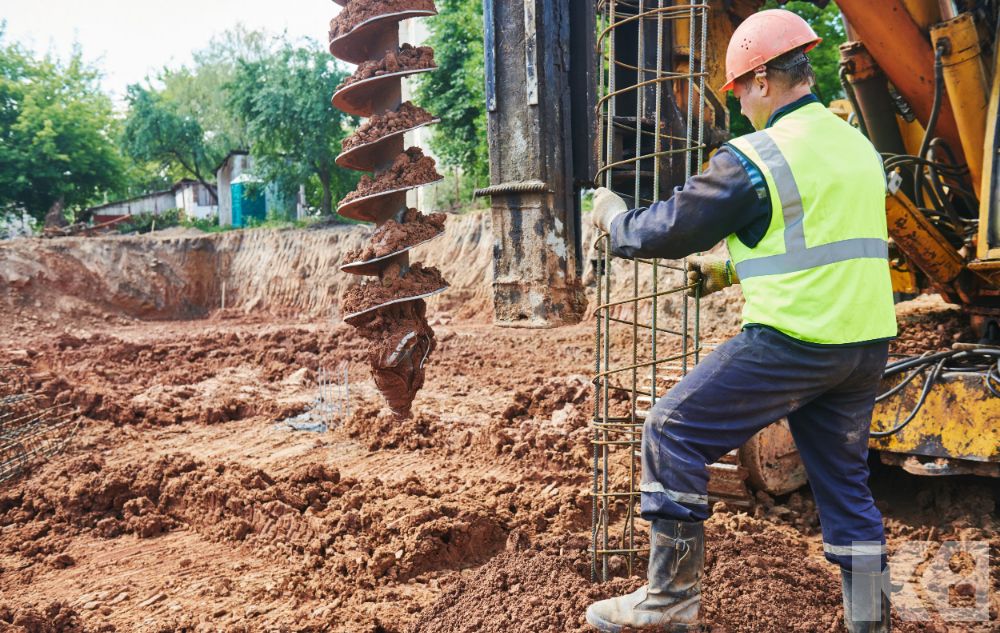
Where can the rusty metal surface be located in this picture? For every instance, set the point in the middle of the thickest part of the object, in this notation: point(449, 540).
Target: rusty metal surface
point(959, 419)
point(772, 461)
point(922, 242)
point(531, 77)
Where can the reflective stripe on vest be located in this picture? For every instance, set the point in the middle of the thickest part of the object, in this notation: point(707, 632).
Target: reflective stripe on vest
point(797, 256)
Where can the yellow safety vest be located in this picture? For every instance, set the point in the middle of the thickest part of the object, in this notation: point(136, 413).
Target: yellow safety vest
point(820, 274)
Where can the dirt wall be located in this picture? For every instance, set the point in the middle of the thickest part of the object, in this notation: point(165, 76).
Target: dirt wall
point(177, 274)
point(182, 275)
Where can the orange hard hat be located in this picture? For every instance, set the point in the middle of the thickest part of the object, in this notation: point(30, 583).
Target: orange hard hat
point(764, 36)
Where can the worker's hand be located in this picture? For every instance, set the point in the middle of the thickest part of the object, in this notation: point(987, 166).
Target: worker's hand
point(607, 206)
point(710, 273)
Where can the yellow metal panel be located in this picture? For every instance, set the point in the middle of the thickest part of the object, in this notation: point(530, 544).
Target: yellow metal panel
point(960, 419)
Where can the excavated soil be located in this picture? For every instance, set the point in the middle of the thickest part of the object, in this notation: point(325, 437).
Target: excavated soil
point(358, 11)
point(393, 285)
point(408, 57)
point(927, 324)
point(411, 168)
point(180, 504)
point(380, 125)
point(392, 236)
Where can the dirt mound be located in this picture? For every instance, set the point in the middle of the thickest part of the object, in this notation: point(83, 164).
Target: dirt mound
point(56, 617)
point(547, 426)
point(357, 532)
point(752, 584)
point(518, 591)
point(202, 378)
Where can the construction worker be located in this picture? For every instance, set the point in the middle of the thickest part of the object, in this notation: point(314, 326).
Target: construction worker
point(801, 205)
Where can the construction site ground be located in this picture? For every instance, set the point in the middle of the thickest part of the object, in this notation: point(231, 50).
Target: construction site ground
point(181, 505)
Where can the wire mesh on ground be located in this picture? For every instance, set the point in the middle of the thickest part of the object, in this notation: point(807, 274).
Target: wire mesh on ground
point(652, 105)
point(32, 428)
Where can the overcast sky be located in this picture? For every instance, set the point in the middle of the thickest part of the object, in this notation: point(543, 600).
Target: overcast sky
point(130, 39)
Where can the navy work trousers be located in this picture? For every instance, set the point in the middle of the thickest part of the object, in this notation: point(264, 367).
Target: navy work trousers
point(749, 382)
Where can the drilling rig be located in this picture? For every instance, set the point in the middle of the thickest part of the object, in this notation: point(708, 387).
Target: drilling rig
point(623, 94)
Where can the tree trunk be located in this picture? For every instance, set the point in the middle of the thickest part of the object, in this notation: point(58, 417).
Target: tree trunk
point(211, 188)
point(326, 208)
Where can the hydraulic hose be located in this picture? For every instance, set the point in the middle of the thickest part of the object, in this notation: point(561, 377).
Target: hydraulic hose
point(852, 98)
point(931, 121)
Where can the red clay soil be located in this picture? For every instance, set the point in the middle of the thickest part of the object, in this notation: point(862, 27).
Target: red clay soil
point(408, 57)
point(159, 520)
point(931, 331)
point(399, 344)
point(393, 236)
point(357, 11)
point(380, 125)
point(394, 285)
point(410, 169)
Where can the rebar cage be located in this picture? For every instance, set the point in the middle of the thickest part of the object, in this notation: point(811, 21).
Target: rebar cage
point(31, 426)
point(652, 103)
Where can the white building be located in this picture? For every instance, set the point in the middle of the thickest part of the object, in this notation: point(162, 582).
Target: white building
point(190, 197)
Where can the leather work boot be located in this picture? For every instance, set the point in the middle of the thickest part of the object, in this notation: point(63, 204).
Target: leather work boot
point(866, 601)
point(670, 600)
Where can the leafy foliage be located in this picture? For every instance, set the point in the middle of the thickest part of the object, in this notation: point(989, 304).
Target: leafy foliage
point(157, 131)
point(57, 133)
point(201, 90)
point(456, 92)
point(146, 222)
point(295, 134)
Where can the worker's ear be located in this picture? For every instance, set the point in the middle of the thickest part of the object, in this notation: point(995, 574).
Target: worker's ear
point(760, 80)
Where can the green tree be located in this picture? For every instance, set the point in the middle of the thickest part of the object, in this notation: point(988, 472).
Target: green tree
point(283, 99)
point(156, 131)
point(456, 91)
point(201, 90)
point(57, 131)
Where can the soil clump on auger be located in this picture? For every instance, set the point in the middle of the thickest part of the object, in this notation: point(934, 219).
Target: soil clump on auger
point(381, 125)
point(410, 169)
point(393, 286)
point(406, 58)
point(394, 236)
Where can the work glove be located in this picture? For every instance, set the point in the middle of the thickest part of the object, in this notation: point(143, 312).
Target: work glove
point(607, 206)
point(709, 273)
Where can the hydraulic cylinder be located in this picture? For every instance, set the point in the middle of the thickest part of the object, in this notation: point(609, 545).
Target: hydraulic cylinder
point(965, 82)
